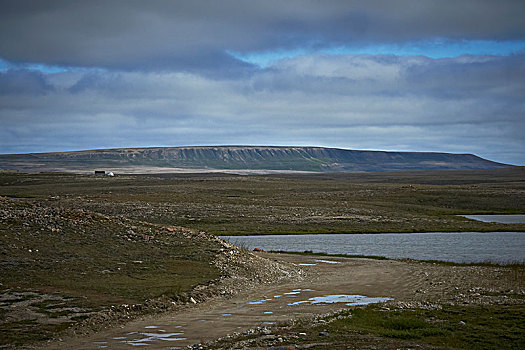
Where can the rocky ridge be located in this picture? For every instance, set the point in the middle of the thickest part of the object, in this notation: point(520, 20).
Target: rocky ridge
point(270, 158)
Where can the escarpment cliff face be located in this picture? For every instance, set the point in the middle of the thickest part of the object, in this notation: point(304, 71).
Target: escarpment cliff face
point(272, 158)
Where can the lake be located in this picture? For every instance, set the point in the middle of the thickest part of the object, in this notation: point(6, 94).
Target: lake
point(450, 246)
point(502, 219)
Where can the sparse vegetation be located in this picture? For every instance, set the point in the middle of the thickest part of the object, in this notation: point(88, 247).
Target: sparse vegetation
point(288, 204)
point(60, 266)
point(473, 327)
point(451, 327)
point(73, 246)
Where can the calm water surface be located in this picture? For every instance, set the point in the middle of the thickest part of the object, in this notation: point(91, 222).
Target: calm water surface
point(455, 246)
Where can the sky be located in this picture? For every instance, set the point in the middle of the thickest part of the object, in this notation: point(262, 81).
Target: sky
point(407, 75)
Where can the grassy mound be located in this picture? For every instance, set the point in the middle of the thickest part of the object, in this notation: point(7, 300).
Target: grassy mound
point(60, 266)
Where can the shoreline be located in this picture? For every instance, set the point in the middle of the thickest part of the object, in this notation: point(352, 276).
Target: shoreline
point(519, 230)
point(379, 257)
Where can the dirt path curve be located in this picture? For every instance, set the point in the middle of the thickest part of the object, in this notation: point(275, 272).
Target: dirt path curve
point(264, 306)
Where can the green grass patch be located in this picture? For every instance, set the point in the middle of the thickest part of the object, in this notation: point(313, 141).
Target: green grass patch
point(26, 332)
point(453, 327)
point(472, 327)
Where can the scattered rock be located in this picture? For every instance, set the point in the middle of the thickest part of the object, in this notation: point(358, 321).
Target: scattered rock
point(266, 331)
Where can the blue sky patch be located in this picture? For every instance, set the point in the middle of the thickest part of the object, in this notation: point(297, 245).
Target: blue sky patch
point(436, 48)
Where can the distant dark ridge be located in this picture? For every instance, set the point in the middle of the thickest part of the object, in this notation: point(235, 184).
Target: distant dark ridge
point(249, 157)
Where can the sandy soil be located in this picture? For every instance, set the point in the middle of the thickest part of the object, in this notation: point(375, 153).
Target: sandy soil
point(410, 284)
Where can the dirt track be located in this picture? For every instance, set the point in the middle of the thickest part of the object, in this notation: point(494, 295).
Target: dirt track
point(408, 283)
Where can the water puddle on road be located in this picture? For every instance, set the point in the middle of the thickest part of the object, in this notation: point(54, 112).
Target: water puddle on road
point(145, 338)
point(292, 294)
point(349, 300)
point(258, 301)
point(328, 261)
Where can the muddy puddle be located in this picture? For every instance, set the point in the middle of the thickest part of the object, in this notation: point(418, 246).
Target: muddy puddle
point(349, 300)
point(145, 338)
point(152, 335)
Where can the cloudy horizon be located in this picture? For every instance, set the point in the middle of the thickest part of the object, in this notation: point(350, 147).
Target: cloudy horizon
point(438, 76)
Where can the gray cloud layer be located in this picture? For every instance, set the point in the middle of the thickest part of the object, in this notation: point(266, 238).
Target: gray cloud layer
point(194, 35)
point(468, 104)
point(167, 77)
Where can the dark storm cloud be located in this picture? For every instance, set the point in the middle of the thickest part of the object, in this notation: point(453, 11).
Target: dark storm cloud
point(23, 82)
point(194, 35)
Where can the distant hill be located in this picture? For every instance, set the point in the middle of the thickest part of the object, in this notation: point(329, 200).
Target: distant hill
point(241, 158)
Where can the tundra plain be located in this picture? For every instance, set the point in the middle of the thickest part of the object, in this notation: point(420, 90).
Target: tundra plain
point(82, 253)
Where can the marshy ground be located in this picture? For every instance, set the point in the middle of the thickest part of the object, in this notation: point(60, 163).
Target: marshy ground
point(81, 254)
